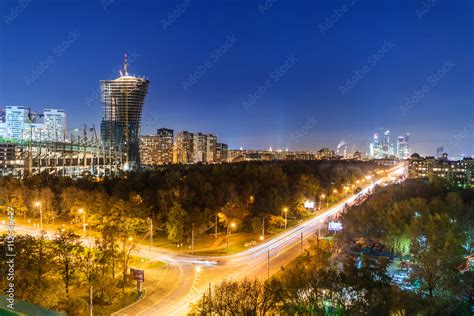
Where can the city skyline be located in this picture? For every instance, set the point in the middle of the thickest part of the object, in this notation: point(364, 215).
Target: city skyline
point(268, 157)
point(243, 79)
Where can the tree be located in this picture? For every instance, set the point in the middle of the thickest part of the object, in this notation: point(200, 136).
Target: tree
point(176, 223)
point(124, 254)
point(68, 250)
point(437, 251)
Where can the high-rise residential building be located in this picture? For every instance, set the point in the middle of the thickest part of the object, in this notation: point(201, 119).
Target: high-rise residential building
point(211, 148)
point(149, 150)
point(20, 123)
point(2, 115)
point(16, 122)
point(123, 99)
point(221, 152)
point(55, 124)
point(199, 147)
point(184, 147)
point(157, 149)
point(166, 145)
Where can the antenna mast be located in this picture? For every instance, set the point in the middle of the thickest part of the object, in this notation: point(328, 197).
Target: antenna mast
point(125, 65)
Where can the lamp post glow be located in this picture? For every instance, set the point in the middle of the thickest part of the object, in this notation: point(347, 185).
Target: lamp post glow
point(346, 189)
point(228, 234)
point(81, 211)
point(285, 210)
point(322, 197)
point(38, 204)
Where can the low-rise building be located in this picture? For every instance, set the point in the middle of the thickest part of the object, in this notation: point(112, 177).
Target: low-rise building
point(457, 172)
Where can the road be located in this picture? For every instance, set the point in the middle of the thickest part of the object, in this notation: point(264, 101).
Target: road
point(197, 273)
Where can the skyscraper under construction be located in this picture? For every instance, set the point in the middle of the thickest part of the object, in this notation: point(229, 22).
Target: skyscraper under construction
point(123, 100)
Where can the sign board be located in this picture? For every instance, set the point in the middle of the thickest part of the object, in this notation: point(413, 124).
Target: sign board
point(334, 226)
point(137, 274)
point(309, 204)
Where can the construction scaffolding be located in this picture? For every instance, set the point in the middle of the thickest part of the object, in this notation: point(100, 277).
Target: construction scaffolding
point(123, 99)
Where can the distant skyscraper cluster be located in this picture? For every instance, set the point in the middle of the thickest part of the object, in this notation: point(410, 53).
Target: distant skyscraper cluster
point(19, 123)
point(188, 147)
point(382, 148)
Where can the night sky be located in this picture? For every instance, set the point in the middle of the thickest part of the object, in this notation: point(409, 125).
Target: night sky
point(297, 74)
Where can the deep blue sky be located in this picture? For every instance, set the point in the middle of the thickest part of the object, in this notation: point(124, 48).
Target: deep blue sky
point(416, 46)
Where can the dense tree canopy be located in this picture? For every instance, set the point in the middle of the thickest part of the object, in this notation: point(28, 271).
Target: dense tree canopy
point(176, 196)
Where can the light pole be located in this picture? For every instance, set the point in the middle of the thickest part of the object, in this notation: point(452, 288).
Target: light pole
point(192, 239)
point(228, 235)
point(335, 192)
point(215, 232)
point(285, 210)
point(81, 211)
point(38, 204)
point(268, 264)
point(151, 232)
point(322, 198)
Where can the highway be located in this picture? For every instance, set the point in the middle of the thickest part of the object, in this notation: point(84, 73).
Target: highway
point(197, 273)
point(265, 259)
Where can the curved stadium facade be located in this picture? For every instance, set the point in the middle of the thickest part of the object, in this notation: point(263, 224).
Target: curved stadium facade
point(123, 100)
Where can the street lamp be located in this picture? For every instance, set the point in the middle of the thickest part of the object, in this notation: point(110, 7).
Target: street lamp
point(285, 210)
point(228, 234)
point(38, 204)
point(322, 197)
point(81, 211)
point(217, 215)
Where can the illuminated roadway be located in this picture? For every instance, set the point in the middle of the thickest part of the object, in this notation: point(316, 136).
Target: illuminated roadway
point(196, 273)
